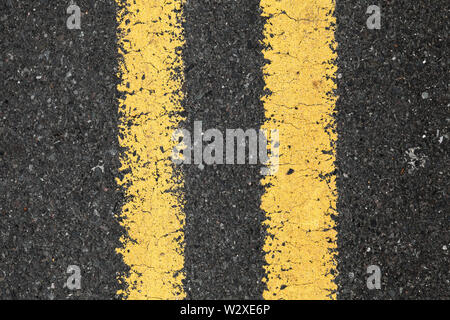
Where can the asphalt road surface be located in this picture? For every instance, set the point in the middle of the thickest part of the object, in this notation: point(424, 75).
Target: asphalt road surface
point(86, 117)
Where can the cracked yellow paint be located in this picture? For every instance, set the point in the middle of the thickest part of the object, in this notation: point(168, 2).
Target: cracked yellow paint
point(301, 197)
point(151, 78)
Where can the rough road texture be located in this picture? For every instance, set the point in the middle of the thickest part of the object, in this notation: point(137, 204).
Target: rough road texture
point(224, 84)
point(393, 150)
point(58, 151)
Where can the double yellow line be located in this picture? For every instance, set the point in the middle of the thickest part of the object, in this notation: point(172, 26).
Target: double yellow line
point(300, 198)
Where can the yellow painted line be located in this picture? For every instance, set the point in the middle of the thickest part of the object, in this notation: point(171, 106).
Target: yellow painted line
point(298, 202)
point(151, 74)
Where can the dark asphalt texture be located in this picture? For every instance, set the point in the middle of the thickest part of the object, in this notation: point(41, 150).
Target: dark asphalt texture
point(59, 152)
point(393, 208)
point(58, 121)
point(223, 85)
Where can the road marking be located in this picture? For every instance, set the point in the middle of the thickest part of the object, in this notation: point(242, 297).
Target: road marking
point(152, 212)
point(301, 197)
